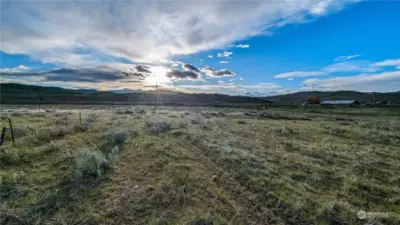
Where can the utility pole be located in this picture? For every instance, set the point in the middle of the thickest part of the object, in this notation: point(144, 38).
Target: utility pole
point(157, 98)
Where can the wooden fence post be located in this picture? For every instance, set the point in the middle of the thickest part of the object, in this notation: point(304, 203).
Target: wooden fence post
point(2, 136)
point(12, 132)
point(80, 118)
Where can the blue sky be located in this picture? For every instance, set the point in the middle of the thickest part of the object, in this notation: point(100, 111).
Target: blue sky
point(256, 48)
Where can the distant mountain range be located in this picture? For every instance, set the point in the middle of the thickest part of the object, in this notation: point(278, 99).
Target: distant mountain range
point(117, 91)
point(12, 93)
point(299, 97)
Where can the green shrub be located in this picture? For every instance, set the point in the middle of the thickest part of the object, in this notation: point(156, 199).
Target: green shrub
point(50, 133)
point(158, 127)
point(113, 154)
point(17, 114)
point(90, 162)
point(124, 111)
point(80, 128)
point(194, 122)
point(286, 131)
point(64, 120)
point(52, 146)
point(21, 130)
point(9, 156)
point(3, 116)
point(141, 111)
point(116, 137)
point(376, 137)
point(39, 114)
point(91, 118)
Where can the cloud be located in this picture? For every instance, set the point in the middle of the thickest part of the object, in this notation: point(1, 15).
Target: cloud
point(17, 69)
point(390, 62)
point(240, 46)
point(189, 67)
point(301, 74)
point(182, 75)
point(210, 56)
point(91, 74)
point(143, 32)
point(243, 46)
point(213, 73)
point(291, 78)
point(142, 68)
point(224, 54)
point(356, 66)
point(380, 82)
point(352, 66)
point(240, 78)
point(223, 62)
point(346, 57)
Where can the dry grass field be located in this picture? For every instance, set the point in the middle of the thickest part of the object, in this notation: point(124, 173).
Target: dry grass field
point(199, 166)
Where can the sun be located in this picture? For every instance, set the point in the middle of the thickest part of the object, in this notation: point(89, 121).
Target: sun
point(158, 76)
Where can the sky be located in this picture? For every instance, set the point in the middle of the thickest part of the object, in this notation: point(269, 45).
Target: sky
point(256, 48)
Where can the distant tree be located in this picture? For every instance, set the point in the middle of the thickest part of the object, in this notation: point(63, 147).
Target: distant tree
point(314, 100)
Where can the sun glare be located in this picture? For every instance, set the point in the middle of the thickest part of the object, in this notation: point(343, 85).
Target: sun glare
point(159, 76)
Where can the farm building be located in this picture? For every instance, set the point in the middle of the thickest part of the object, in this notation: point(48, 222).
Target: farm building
point(341, 102)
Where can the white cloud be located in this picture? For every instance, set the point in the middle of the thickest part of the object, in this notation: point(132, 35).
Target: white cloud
point(220, 82)
point(390, 62)
point(242, 46)
point(240, 78)
point(223, 62)
point(346, 57)
point(18, 69)
point(59, 31)
point(380, 82)
point(356, 66)
point(363, 66)
point(224, 54)
point(210, 56)
point(301, 74)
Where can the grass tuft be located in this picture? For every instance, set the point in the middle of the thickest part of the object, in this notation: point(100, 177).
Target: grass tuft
point(158, 127)
point(116, 137)
point(90, 161)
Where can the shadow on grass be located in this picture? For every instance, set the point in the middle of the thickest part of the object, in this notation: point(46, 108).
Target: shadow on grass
point(67, 192)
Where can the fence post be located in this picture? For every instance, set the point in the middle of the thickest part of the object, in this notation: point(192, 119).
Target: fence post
point(80, 118)
point(2, 136)
point(12, 132)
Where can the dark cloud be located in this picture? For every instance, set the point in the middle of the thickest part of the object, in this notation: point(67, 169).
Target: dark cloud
point(211, 72)
point(189, 67)
point(224, 72)
point(140, 76)
point(173, 73)
point(84, 74)
point(142, 68)
point(208, 69)
point(93, 75)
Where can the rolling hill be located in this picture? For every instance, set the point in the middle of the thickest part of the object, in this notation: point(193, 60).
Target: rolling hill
point(299, 97)
point(12, 93)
